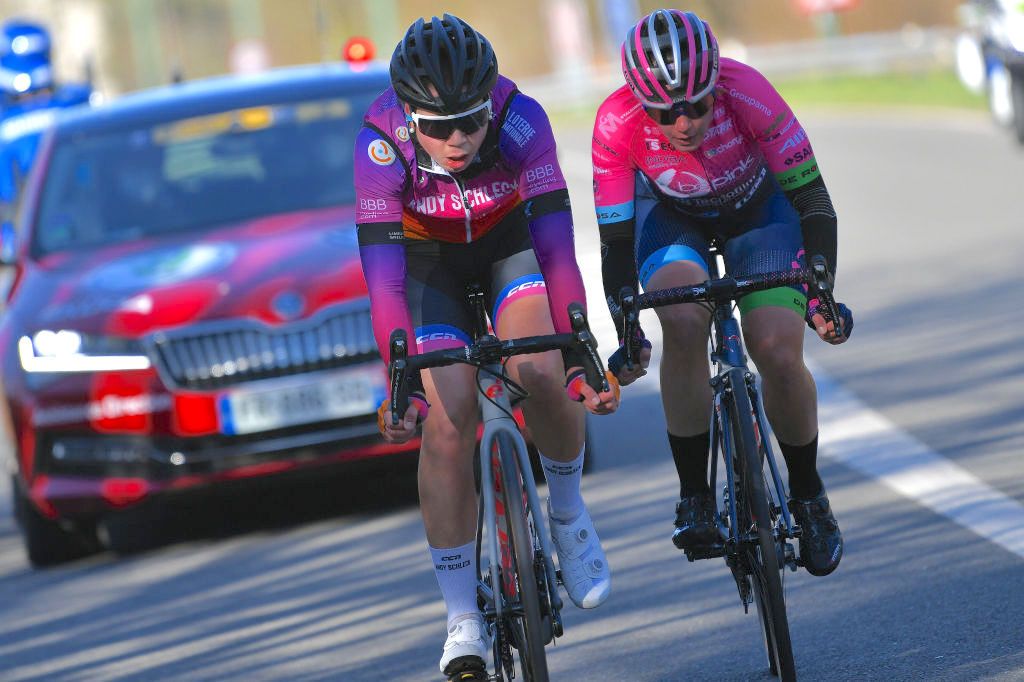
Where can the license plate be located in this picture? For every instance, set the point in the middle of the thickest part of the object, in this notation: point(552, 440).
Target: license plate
point(331, 396)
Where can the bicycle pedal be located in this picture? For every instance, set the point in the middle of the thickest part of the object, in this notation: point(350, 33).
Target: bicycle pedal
point(466, 669)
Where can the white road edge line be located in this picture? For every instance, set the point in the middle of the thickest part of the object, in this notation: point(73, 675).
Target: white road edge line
point(864, 440)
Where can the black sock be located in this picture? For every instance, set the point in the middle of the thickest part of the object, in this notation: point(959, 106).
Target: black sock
point(802, 462)
point(690, 453)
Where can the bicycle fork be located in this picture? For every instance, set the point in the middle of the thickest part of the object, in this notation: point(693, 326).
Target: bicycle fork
point(496, 411)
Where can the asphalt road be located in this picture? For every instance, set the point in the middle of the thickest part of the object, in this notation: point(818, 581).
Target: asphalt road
point(332, 580)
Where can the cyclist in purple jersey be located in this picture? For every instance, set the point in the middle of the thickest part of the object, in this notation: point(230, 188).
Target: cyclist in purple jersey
point(457, 181)
point(695, 148)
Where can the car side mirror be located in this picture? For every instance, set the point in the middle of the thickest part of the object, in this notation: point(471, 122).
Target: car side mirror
point(8, 252)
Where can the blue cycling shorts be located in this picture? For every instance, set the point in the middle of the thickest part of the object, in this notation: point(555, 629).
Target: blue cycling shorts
point(766, 238)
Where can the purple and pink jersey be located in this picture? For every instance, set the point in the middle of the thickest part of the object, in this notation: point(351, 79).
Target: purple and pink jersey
point(752, 133)
point(403, 196)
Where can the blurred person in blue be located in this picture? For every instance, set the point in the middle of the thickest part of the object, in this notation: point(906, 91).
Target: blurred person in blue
point(29, 99)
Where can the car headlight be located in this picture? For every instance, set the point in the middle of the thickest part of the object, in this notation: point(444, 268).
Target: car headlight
point(69, 351)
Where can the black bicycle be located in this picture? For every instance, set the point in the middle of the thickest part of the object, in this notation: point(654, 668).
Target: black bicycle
point(755, 527)
point(518, 594)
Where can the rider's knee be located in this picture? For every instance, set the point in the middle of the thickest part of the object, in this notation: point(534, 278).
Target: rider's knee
point(776, 353)
point(684, 325)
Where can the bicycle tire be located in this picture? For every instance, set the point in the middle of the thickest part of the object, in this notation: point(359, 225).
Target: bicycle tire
point(529, 626)
point(766, 574)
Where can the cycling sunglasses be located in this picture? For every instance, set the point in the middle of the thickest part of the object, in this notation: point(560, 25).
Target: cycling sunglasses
point(442, 127)
point(691, 110)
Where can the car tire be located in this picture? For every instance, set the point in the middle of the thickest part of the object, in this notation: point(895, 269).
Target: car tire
point(48, 542)
point(133, 531)
point(1017, 97)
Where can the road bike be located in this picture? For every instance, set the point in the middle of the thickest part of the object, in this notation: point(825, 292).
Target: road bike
point(755, 528)
point(517, 592)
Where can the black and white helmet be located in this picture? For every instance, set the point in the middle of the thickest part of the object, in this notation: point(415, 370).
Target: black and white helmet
point(446, 56)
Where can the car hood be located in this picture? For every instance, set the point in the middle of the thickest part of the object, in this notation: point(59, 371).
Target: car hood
point(276, 269)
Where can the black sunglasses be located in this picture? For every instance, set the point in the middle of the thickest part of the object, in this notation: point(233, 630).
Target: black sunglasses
point(691, 110)
point(442, 127)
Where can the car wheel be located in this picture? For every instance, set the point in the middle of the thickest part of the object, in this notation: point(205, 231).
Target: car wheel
point(49, 542)
point(1017, 97)
point(133, 531)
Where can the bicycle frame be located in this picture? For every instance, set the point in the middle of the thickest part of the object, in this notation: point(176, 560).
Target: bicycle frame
point(727, 353)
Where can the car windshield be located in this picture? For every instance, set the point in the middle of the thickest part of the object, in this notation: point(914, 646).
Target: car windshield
point(197, 173)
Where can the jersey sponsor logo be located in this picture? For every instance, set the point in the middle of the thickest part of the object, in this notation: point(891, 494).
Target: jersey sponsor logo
point(518, 129)
point(720, 129)
point(793, 141)
point(373, 205)
point(540, 173)
point(782, 131)
point(437, 336)
point(747, 99)
point(775, 124)
point(381, 153)
point(605, 147)
point(661, 161)
point(524, 286)
point(609, 123)
point(402, 133)
point(715, 151)
point(656, 145)
point(682, 184)
point(731, 175)
point(800, 156)
point(615, 212)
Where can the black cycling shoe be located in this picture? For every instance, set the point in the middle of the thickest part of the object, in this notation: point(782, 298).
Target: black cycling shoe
point(695, 522)
point(466, 669)
point(821, 543)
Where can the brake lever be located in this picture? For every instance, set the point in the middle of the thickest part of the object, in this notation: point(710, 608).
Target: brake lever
point(630, 326)
point(823, 284)
point(399, 369)
point(593, 366)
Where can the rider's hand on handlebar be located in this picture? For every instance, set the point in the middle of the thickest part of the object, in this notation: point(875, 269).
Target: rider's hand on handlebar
point(579, 390)
point(406, 428)
point(617, 362)
point(817, 319)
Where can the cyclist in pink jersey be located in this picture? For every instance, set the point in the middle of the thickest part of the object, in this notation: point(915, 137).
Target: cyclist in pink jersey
point(457, 182)
point(695, 148)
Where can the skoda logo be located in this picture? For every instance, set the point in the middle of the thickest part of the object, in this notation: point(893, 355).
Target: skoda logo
point(288, 305)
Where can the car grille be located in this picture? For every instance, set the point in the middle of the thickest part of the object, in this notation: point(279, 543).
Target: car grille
point(219, 354)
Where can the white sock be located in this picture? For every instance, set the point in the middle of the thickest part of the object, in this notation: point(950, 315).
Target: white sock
point(455, 568)
point(564, 487)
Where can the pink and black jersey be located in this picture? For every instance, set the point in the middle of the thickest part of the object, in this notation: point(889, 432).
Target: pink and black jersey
point(753, 133)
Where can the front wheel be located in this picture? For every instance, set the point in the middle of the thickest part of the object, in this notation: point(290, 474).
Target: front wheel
point(761, 557)
point(525, 601)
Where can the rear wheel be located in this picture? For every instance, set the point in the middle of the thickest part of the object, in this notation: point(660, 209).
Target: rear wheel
point(762, 556)
point(527, 615)
point(50, 542)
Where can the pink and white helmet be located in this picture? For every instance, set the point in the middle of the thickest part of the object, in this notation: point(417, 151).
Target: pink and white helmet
point(668, 57)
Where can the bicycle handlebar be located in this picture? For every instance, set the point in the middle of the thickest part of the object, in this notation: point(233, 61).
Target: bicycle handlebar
point(817, 278)
point(489, 349)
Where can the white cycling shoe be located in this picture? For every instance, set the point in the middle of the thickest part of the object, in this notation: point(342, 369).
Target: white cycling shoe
point(468, 637)
point(585, 572)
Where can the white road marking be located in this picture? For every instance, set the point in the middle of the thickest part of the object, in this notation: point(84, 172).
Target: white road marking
point(864, 440)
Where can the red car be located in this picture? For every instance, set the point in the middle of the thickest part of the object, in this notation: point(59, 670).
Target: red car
point(187, 304)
